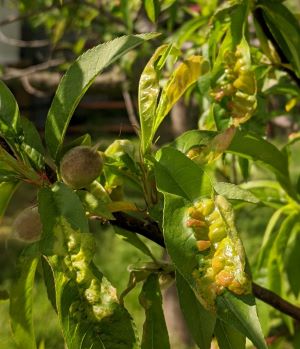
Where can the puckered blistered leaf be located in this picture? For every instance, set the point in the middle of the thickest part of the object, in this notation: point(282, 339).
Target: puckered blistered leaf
point(204, 245)
point(155, 334)
point(87, 304)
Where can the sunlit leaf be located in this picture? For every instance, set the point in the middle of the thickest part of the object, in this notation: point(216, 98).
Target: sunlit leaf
point(240, 313)
point(77, 80)
point(177, 174)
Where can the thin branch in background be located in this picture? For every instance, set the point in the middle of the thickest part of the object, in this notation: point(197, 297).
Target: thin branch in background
point(151, 230)
point(276, 302)
point(14, 73)
point(21, 43)
point(130, 110)
point(32, 90)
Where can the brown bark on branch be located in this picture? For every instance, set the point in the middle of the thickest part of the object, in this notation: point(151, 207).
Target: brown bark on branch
point(151, 230)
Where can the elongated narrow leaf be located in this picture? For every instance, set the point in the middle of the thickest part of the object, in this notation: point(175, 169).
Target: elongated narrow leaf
point(10, 122)
point(77, 80)
point(19, 133)
point(201, 323)
point(234, 192)
point(292, 261)
point(57, 205)
point(285, 29)
point(7, 190)
point(177, 174)
point(228, 337)
point(21, 169)
point(268, 238)
point(134, 240)
point(180, 242)
point(21, 299)
point(276, 257)
point(49, 282)
point(32, 144)
point(152, 8)
point(148, 96)
point(240, 312)
point(87, 305)
point(155, 334)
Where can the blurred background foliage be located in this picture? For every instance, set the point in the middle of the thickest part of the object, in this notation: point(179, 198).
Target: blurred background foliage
point(50, 34)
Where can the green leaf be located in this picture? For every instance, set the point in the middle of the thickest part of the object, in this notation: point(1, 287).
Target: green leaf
point(234, 192)
point(155, 334)
point(89, 312)
point(152, 8)
point(201, 323)
point(7, 190)
point(248, 146)
point(94, 205)
point(21, 169)
point(292, 261)
point(276, 256)
point(268, 239)
point(21, 299)
point(32, 145)
point(77, 80)
point(192, 138)
point(285, 29)
point(228, 337)
point(240, 312)
point(186, 30)
point(180, 241)
point(56, 205)
point(134, 240)
point(20, 134)
point(10, 122)
point(82, 140)
point(177, 174)
point(127, 14)
point(49, 282)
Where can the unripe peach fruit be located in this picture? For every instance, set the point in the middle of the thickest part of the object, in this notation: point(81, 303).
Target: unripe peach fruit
point(80, 166)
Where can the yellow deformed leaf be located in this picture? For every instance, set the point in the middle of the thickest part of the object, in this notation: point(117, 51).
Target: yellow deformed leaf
point(187, 73)
point(214, 149)
point(291, 104)
point(148, 94)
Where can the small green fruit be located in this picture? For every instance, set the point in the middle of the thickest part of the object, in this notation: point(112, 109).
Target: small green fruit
point(27, 226)
point(80, 166)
